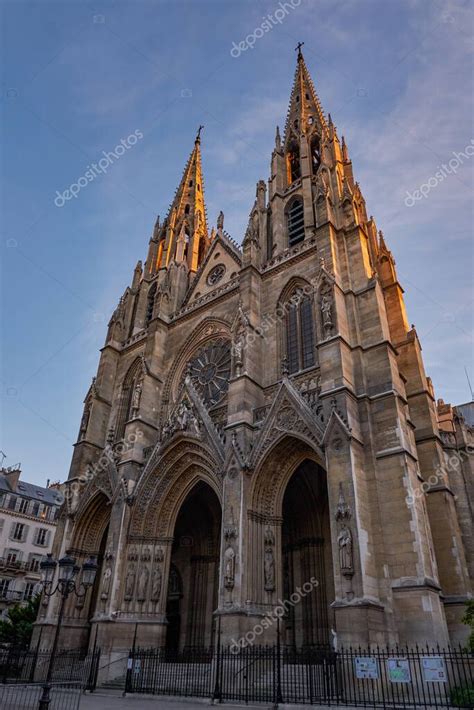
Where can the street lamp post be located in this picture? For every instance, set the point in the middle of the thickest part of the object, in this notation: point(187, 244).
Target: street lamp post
point(65, 585)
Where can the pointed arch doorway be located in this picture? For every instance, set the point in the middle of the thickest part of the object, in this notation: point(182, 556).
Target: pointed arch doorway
point(194, 571)
point(307, 556)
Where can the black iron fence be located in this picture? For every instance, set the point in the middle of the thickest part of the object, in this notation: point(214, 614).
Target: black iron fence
point(388, 678)
point(19, 666)
point(26, 696)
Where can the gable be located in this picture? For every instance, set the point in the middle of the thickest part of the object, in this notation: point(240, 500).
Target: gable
point(219, 267)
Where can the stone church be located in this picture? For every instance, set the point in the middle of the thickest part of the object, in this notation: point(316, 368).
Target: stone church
point(261, 421)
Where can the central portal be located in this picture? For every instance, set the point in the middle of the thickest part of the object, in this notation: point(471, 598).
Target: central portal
point(194, 571)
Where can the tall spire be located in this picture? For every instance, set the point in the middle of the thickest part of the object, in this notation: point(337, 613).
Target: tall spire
point(187, 215)
point(304, 110)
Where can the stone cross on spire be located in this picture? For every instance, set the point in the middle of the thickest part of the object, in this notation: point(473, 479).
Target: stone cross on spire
point(298, 49)
point(198, 135)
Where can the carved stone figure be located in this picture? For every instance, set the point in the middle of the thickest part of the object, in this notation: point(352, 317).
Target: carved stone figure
point(182, 416)
point(156, 584)
point(229, 568)
point(238, 352)
point(85, 420)
point(137, 395)
point(326, 312)
point(344, 541)
point(130, 582)
point(142, 586)
point(106, 580)
point(269, 569)
point(220, 220)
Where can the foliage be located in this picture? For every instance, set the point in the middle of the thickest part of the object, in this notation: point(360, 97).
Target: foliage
point(468, 619)
point(463, 696)
point(17, 626)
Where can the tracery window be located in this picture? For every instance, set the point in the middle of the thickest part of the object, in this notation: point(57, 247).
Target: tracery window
point(300, 353)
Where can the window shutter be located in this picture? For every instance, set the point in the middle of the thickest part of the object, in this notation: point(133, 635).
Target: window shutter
point(12, 531)
point(1, 525)
point(25, 533)
point(47, 538)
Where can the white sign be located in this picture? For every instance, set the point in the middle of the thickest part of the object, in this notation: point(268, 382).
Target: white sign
point(434, 669)
point(130, 664)
point(398, 670)
point(366, 667)
point(138, 666)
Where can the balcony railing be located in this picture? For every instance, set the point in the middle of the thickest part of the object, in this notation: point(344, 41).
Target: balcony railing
point(18, 566)
point(11, 595)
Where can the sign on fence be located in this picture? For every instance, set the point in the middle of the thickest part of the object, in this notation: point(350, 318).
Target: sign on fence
point(398, 670)
point(434, 669)
point(366, 667)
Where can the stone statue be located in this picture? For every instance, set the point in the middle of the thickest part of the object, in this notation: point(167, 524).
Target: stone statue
point(106, 580)
point(269, 570)
point(229, 568)
point(137, 395)
point(130, 582)
point(344, 541)
point(85, 420)
point(220, 220)
point(238, 352)
point(142, 587)
point(156, 583)
point(182, 416)
point(326, 308)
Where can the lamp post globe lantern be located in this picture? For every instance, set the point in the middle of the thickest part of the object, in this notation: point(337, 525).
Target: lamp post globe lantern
point(66, 584)
point(89, 571)
point(48, 568)
point(67, 569)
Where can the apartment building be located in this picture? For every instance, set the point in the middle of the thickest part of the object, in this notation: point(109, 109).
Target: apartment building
point(28, 515)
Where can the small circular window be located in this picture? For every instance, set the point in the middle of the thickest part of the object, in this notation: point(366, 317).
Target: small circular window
point(216, 274)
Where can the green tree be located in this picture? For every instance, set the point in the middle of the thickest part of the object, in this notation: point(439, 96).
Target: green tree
point(468, 619)
point(17, 627)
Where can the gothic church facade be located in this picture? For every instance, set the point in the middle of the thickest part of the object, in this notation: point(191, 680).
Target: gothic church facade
point(261, 420)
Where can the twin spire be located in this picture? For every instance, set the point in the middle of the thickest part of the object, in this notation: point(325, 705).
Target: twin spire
point(184, 235)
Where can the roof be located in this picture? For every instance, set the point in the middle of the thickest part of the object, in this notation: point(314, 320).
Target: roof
point(50, 496)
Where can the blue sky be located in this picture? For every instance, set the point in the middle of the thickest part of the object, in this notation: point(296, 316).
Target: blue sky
point(78, 77)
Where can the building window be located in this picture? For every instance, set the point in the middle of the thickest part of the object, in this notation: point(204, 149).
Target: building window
point(19, 530)
point(13, 556)
point(295, 221)
point(29, 591)
point(41, 536)
point(34, 563)
point(300, 352)
point(12, 503)
point(35, 510)
point(4, 585)
point(23, 507)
